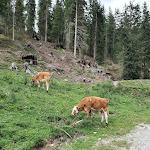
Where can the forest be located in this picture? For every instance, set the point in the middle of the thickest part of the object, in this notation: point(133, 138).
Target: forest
point(85, 29)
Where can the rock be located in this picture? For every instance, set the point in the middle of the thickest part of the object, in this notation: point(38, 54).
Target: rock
point(116, 83)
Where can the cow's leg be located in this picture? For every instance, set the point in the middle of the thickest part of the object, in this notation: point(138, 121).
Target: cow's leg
point(43, 85)
point(90, 114)
point(87, 114)
point(38, 84)
point(103, 115)
point(106, 117)
point(47, 85)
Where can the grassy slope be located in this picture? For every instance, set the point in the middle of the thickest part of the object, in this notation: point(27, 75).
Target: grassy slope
point(29, 115)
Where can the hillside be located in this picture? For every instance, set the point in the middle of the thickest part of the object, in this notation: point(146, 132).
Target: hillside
point(57, 60)
point(31, 118)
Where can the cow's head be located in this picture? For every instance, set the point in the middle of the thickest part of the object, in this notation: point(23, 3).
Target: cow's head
point(75, 110)
point(33, 81)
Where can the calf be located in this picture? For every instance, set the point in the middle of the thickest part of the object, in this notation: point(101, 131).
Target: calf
point(42, 77)
point(93, 103)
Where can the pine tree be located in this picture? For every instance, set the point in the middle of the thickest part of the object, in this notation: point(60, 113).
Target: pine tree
point(111, 35)
point(96, 31)
point(19, 16)
point(44, 19)
point(132, 53)
point(101, 31)
point(76, 26)
point(69, 15)
point(6, 16)
point(80, 29)
point(58, 23)
point(118, 42)
point(145, 44)
point(30, 16)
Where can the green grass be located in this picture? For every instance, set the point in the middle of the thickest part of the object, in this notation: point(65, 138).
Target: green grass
point(29, 115)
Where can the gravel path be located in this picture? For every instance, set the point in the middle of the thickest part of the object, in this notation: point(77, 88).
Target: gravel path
point(138, 139)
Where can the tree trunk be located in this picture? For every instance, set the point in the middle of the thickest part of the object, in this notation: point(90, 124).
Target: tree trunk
point(68, 36)
point(94, 55)
point(13, 30)
point(105, 52)
point(46, 23)
point(75, 39)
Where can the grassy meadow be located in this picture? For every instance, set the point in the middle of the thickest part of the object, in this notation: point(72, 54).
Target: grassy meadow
point(29, 116)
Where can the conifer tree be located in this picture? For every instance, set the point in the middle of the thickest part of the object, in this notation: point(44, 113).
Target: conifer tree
point(44, 19)
point(6, 16)
point(58, 23)
point(69, 15)
point(96, 31)
point(132, 53)
point(118, 42)
point(30, 16)
point(19, 16)
point(145, 44)
point(111, 35)
point(80, 29)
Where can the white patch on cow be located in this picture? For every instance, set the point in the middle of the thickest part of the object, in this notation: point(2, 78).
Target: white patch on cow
point(103, 115)
point(85, 109)
point(90, 99)
point(106, 116)
point(42, 80)
point(101, 109)
point(75, 109)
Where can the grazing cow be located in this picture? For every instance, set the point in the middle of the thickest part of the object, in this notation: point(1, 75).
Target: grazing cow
point(13, 66)
point(93, 103)
point(42, 77)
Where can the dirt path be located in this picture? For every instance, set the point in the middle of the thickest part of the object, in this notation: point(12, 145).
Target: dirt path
point(138, 139)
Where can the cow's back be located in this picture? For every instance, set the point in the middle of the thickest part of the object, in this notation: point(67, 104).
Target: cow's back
point(96, 103)
point(43, 75)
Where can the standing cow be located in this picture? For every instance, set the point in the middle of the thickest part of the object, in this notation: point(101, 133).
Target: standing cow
point(42, 77)
point(93, 103)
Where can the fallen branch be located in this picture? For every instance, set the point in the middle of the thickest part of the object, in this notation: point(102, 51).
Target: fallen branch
point(76, 122)
point(65, 132)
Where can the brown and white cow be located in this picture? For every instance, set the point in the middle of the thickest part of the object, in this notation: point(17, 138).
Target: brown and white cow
point(93, 103)
point(42, 77)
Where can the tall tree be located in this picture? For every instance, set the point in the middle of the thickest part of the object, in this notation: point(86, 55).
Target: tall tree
point(111, 35)
point(145, 44)
point(101, 32)
point(132, 53)
point(58, 23)
point(30, 16)
point(44, 18)
point(80, 29)
point(118, 42)
point(19, 16)
point(6, 16)
point(13, 26)
point(96, 31)
point(69, 13)
point(76, 25)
